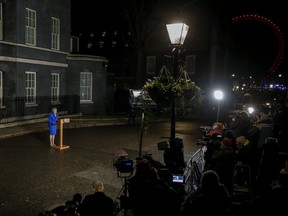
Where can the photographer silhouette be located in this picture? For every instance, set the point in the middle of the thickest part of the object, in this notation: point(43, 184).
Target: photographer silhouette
point(151, 195)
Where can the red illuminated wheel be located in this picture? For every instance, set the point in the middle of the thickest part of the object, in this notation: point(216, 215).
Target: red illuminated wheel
point(276, 29)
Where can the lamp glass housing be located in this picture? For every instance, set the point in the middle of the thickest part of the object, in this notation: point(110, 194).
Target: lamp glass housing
point(177, 33)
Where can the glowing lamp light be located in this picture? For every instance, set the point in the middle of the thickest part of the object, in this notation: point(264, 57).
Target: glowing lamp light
point(177, 33)
point(218, 94)
point(250, 110)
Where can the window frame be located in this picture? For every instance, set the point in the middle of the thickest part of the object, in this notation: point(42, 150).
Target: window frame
point(30, 27)
point(148, 64)
point(55, 87)
point(30, 99)
point(1, 21)
point(55, 33)
point(193, 67)
point(1, 88)
point(86, 90)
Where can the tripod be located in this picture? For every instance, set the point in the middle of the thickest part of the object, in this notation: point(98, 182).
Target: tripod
point(123, 194)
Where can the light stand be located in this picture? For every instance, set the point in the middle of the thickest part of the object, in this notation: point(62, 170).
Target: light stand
point(123, 196)
point(123, 193)
point(218, 94)
point(142, 132)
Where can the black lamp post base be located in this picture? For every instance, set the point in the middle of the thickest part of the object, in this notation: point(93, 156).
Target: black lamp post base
point(174, 157)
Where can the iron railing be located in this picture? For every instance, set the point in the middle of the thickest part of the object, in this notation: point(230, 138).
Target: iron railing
point(15, 109)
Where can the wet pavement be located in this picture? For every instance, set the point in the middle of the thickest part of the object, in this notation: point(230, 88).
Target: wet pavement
point(36, 177)
point(12, 129)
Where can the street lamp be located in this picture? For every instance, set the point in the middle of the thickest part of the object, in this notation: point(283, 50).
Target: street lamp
point(218, 94)
point(177, 34)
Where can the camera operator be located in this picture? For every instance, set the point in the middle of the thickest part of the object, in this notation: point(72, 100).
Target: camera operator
point(97, 203)
point(151, 195)
point(211, 198)
point(240, 124)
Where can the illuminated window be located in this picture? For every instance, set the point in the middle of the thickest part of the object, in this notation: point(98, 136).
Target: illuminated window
point(85, 86)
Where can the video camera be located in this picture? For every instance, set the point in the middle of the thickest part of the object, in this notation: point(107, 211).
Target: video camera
point(124, 165)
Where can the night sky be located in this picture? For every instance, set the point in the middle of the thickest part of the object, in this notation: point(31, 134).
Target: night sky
point(255, 43)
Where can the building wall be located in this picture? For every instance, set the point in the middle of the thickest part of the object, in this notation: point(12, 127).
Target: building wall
point(52, 8)
point(97, 66)
point(9, 81)
point(16, 58)
point(40, 58)
point(9, 20)
point(43, 77)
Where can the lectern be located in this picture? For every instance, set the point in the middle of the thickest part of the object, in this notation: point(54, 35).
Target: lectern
point(61, 145)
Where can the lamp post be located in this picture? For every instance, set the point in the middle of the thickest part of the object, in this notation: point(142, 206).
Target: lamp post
point(174, 155)
point(177, 34)
point(218, 94)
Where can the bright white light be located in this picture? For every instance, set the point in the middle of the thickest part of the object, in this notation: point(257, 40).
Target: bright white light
point(177, 33)
point(250, 110)
point(136, 93)
point(218, 94)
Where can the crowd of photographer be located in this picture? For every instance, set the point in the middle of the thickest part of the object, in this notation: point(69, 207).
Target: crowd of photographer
point(150, 194)
point(150, 191)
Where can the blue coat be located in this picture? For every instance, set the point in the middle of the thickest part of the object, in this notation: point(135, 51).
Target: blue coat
point(52, 120)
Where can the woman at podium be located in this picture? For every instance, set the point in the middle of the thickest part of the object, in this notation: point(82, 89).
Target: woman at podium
point(52, 124)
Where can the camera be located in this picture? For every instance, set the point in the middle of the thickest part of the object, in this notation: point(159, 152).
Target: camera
point(178, 179)
point(124, 165)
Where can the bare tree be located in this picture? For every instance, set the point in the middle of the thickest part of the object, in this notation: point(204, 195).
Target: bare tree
point(139, 17)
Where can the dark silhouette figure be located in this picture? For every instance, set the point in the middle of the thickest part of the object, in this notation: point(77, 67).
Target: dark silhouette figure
point(280, 126)
point(279, 194)
point(269, 165)
point(211, 198)
point(223, 161)
point(273, 200)
point(71, 207)
point(241, 124)
point(97, 203)
point(247, 162)
point(151, 195)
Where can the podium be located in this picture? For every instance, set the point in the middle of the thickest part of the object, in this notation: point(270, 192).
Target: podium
point(61, 146)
